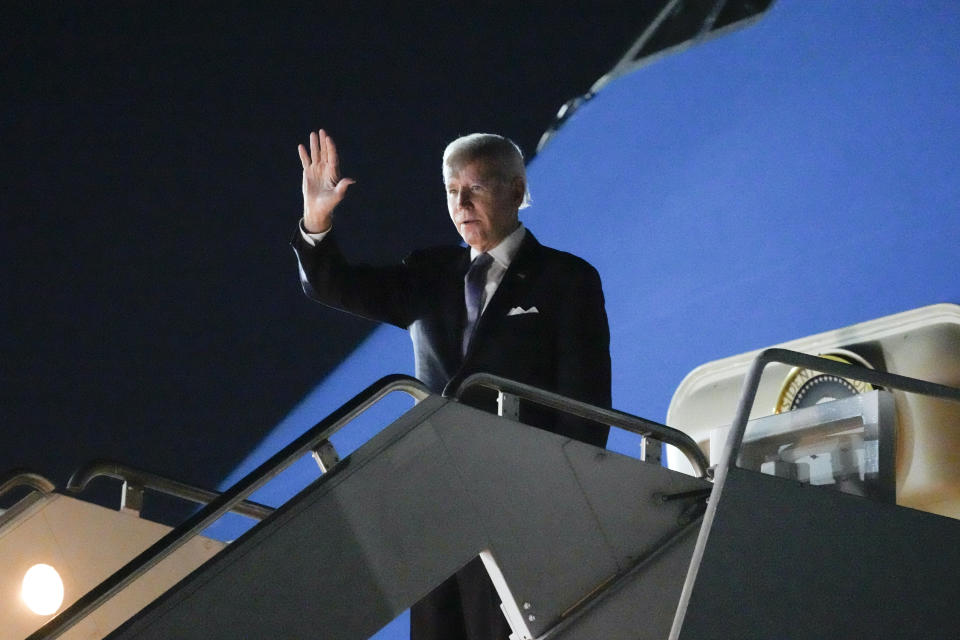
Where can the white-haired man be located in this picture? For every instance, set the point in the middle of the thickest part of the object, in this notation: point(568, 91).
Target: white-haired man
point(505, 305)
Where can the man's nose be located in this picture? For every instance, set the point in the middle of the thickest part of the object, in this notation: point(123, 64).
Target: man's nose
point(463, 197)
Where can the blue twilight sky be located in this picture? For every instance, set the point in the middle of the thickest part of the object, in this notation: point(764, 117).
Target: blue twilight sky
point(790, 178)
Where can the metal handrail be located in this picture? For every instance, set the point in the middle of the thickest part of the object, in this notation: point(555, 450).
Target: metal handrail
point(147, 480)
point(25, 478)
point(619, 419)
point(737, 430)
point(228, 500)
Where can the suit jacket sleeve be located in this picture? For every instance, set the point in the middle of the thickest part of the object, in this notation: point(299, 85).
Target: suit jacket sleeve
point(383, 294)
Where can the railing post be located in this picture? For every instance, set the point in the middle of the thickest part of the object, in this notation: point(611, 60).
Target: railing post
point(651, 450)
point(325, 455)
point(508, 405)
point(131, 498)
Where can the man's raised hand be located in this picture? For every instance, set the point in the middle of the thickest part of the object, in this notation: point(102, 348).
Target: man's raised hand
point(323, 188)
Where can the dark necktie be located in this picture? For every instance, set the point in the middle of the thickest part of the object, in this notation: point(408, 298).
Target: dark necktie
point(476, 281)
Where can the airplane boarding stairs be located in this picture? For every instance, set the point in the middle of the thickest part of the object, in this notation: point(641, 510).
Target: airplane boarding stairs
point(582, 543)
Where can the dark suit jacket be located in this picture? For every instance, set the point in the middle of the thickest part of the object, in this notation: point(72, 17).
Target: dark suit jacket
point(564, 347)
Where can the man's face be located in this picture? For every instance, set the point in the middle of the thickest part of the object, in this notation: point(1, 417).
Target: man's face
point(483, 207)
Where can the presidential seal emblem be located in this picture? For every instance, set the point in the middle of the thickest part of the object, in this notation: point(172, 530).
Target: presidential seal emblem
point(805, 387)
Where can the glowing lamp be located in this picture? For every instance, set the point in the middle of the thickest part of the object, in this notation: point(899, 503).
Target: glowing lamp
point(42, 589)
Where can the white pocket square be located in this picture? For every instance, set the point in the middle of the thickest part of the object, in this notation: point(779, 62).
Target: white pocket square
point(516, 311)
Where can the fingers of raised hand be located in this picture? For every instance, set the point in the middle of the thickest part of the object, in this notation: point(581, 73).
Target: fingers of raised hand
point(315, 146)
point(331, 153)
point(304, 157)
point(324, 147)
point(321, 165)
point(341, 187)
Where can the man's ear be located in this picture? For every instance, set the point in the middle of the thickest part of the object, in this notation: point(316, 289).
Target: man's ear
point(518, 187)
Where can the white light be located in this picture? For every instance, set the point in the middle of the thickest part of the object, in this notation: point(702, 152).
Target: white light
point(42, 589)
